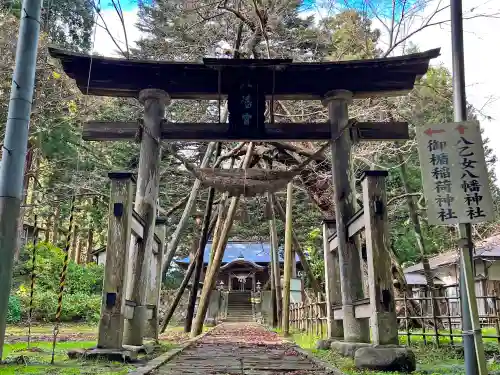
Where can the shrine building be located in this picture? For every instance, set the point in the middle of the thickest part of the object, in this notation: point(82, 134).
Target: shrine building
point(245, 266)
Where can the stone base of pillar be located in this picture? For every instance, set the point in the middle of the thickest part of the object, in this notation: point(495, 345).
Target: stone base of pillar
point(385, 358)
point(355, 330)
point(377, 357)
point(348, 349)
point(113, 355)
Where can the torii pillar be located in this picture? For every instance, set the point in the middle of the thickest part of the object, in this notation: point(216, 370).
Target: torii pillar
point(351, 280)
point(155, 102)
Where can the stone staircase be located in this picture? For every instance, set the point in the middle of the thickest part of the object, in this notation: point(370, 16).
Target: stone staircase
point(239, 307)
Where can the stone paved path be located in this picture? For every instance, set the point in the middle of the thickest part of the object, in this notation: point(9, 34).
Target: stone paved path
point(240, 349)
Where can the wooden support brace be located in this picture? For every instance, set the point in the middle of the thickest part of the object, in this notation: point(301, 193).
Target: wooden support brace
point(111, 323)
point(332, 284)
point(154, 290)
point(362, 131)
point(355, 225)
point(384, 325)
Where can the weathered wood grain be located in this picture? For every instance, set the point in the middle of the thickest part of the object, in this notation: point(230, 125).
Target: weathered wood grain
point(363, 131)
point(112, 318)
point(383, 320)
point(146, 197)
point(356, 330)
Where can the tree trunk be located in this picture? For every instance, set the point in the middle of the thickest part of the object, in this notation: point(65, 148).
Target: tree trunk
point(275, 260)
point(201, 253)
point(54, 232)
point(74, 244)
point(287, 266)
point(401, 288)
point(176, 237)
point(212, 273)
point(429, 277)
point(78, 251)
point(90, 244)
point(26, 181)
point(185, 281)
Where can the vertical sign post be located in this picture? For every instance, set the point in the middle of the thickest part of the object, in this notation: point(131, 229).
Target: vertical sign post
point(456, 186)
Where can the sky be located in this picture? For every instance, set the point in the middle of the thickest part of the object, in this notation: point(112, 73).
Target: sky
point(481, 51)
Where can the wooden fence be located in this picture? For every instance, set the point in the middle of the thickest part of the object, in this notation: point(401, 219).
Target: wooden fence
point(439, 329)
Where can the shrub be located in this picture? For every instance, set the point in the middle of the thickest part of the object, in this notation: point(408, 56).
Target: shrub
point(82, 294)
point(14, 310)
point(75, 307)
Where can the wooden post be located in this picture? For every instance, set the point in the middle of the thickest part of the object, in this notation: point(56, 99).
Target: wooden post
point(201, 253)
point(211, 276)
point(303, 259)
point(355, 330)
point(287, 268)
point(334, 327)
point(407, 327)
point(154, 102)
point(384, 325)
point(152, 326)
point(111, 323)
point(274, 308)
point(275, 260)
point(184, 283)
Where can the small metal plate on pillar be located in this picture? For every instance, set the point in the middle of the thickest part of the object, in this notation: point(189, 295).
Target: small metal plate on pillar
point(118, 209)
point(110, 300)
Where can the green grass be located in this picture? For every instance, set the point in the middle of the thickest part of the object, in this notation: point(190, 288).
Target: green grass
point(21, 360)
point(431, 360)
point(46, 329)
point(444, 340)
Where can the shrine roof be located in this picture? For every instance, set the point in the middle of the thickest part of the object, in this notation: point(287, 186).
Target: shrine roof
point(190, 80)
point(255, 252)
point(241, 261)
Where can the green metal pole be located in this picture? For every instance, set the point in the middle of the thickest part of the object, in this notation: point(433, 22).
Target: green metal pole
point(15, 146)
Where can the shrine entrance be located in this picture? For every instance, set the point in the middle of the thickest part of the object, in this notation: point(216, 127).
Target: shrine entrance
point(242, 282)
point(247, 84)
point(242, 275)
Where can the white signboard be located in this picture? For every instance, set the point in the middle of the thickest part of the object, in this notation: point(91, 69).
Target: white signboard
point(454, 173)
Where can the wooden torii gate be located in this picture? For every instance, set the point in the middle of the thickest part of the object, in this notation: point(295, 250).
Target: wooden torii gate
point(156, 82)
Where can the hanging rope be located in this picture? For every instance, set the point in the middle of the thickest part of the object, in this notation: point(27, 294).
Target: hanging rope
point(247, 182)
point(33, 276)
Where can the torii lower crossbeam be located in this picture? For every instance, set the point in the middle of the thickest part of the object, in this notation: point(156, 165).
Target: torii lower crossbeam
point(363, 131)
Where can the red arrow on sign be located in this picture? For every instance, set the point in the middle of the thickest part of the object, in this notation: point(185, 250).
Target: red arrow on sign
point(461, 128)
point(430, 131)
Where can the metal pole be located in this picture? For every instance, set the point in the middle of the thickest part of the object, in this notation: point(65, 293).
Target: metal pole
point(460, 114)
point(15, 146)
